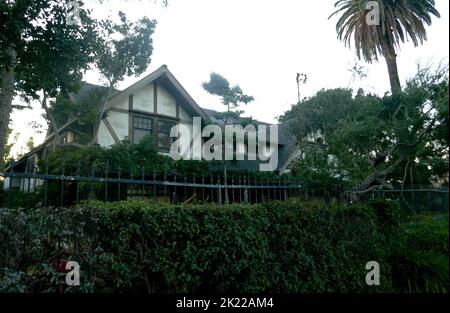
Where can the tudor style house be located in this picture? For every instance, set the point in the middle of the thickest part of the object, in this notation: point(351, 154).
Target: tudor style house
point(150, 106)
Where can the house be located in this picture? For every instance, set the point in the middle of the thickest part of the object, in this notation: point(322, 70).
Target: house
point(153, 105)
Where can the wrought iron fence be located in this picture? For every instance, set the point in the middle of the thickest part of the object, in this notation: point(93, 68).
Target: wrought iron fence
point(60, 187)
point(47, 189)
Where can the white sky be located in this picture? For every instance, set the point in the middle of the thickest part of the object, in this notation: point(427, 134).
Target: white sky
point(258, 44)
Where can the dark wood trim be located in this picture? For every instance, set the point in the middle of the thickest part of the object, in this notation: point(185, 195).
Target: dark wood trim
point(148, 114)
point(130, 102)
point(130, 119)
point(111, 130)
point(155, 119)
point(118, 110)
point(155, 98)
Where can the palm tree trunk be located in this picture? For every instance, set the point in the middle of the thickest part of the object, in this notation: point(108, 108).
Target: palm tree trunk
point(391, 61)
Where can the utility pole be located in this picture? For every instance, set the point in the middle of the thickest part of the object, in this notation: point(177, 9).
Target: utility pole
point(301, 79)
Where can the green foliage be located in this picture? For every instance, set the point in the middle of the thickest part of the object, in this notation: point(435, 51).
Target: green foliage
point(375, 142)
point(389, 212)
point(270, 247)
point(7, 149)
point(419, 254)
point(395, 22)
point(50, 53)
point(416, 271)
point(230, 96)
point(123, 49)
point(398, 22)
point(139, 247)
point(86, 110)
point(126, 158)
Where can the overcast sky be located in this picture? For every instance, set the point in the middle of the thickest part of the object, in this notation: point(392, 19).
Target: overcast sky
point(258, 44)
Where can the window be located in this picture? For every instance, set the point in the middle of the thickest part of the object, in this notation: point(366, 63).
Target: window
point(164, 139)
point(142, 126)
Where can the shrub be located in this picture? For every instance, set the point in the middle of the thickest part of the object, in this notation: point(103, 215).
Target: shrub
point(416, 271)
point(270, 247)
point(420, 254)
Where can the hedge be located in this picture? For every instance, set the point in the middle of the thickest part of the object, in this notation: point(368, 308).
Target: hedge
point(142, 247)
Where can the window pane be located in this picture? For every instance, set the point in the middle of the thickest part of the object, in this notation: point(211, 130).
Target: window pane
point(139, 134)
point(142, 122)
point(142, 126)
point(164, 139)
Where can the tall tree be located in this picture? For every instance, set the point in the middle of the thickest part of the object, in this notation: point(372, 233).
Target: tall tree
point(231, 97)
point(397, 20)
point(41, 54)
point(123, 49)
point(374, 142)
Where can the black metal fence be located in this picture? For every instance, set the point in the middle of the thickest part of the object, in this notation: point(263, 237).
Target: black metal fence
point(48, 189)
point(418, 198)
point(58, 187)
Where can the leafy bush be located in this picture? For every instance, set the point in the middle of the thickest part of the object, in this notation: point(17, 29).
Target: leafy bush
point(420, 271)
point(420, 255)
point(389, 212)
point(138, 247)
point(270, 247)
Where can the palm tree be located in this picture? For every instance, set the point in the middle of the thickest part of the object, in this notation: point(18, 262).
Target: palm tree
point(398, 20)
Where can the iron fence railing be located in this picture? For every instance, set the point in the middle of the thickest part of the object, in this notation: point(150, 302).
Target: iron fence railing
point(46, 188)
point(66, 190)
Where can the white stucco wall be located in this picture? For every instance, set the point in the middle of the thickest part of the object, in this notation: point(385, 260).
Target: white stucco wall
point(122, 104)
point(143, 99)
point(184, 116)
point(104, 137)
point(119, 122)
point(166, 103)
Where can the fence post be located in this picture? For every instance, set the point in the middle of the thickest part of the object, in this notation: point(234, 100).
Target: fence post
point(185, 187)
point(174, 200)
point(245, 190)
point(211, 189)
point(240, 189)
point(132, 179)
point(91, 186)
point(203, 188)
point(232, 189)
point(106, 180)
point(193, 182)
point(46, 183)
point(77, 196)
point(119, 174)
point(143, 183)
point(166, 193)
point(27, 171)
point(219, 193)
point(255, 181)
point(61, 200)
point(154, 187)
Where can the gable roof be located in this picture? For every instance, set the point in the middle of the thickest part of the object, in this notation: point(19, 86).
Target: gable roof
point(286, 141)
point(162, 73)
